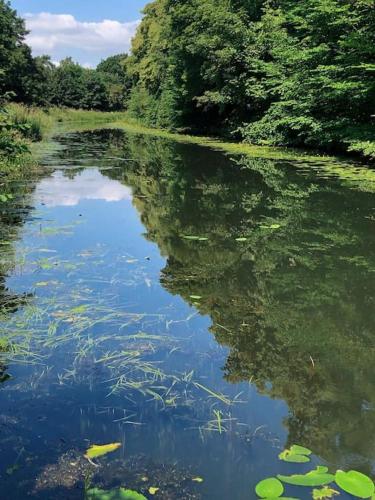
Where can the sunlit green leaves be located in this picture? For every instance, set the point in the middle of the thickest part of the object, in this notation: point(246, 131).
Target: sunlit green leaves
point(355, 483)
point(5, 197)
point(116, 494)
point(295, 454)
point(99, 450)
point(317, 477)
point(269, 488)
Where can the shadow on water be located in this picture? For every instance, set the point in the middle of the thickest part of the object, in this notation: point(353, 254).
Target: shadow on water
point(272, 343)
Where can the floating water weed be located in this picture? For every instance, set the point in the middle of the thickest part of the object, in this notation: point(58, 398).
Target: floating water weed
point(324, 493)
point(213, 394)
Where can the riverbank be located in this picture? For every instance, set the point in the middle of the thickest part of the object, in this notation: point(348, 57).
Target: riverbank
point(25, 129)
point(40, 125)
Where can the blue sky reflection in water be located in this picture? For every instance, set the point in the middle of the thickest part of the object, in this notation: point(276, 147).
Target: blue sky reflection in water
point(131, 324)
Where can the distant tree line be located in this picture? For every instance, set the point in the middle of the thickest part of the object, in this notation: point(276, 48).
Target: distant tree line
point(279, 72)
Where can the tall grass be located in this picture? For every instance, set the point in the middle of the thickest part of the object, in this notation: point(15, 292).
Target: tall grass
point(41, 121)
point(63, 115)
point(32, 125)
point(37, 121)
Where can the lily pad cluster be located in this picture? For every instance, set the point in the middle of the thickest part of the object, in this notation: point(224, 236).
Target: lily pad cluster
point(353, 482)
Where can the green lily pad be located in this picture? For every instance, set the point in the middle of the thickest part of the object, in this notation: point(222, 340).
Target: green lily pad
point(269, 488)
point(287, 456)
point(117, 494)
point(313, 478)
point(296, 454)
point(355, 483)
point(300, 450)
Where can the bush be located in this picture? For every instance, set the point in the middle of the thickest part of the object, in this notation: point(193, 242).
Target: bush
point(33, 122)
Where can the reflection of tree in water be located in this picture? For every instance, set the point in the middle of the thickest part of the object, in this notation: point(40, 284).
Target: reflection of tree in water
point(13, 214)
point(292, 303)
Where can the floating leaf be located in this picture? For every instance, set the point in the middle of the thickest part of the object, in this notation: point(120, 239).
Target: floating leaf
point(194, 238)
point(355, 483)
point(5, 197)
point(99, 450)
point(313, 478)
point(288, 456)
point(79, 309)
point(300, 450)
point(272, 226)
point(198, 479)
point(324, 493)
point(11, 470)
point(269, 488)
point(296, 454)
point(152, 490)
point(117, 494)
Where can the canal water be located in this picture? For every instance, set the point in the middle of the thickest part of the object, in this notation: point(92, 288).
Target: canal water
point(204, 310)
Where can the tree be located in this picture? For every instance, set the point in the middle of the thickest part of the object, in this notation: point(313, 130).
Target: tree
point(115, 75)
point(280, 72)
point(95, 95)
point(41, 81)
point(16, 62)
point(68, 87)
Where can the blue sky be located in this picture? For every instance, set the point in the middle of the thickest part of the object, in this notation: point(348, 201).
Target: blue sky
point(87, 30)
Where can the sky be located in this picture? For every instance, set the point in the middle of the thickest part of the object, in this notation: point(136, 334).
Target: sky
point(86, 30)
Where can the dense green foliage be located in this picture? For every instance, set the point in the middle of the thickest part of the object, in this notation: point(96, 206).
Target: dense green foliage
point(280, 72)
point(277, 72)
point(103, 89)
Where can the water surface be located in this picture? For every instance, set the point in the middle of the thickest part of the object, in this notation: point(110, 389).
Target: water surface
point(204, 310)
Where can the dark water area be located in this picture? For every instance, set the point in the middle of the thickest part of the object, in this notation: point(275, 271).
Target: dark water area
point(204, 310)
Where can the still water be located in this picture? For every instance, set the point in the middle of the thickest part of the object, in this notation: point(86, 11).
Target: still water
point(204, 310)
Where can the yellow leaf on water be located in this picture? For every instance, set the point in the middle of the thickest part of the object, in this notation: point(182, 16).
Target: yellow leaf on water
point(152, 490)
point(198, 479)
point(97, 450)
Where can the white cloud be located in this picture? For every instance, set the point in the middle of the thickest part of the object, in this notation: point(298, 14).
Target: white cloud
point(60, 35)
point(57, 190)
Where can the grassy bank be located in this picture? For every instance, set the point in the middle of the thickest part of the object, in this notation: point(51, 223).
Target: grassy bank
point(25, 128)
point(41, 124)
